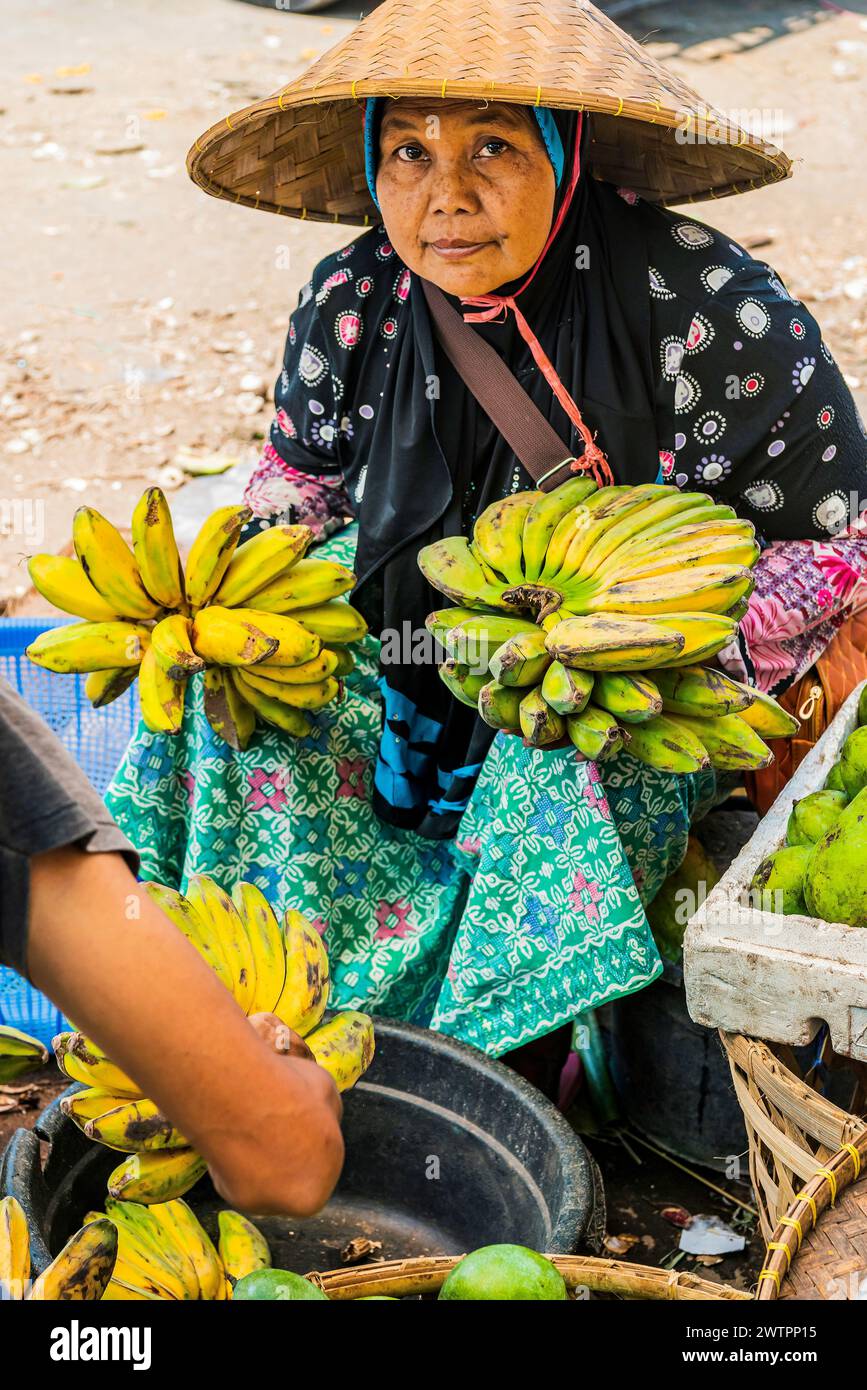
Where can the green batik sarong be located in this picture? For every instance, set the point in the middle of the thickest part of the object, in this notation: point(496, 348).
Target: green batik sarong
point(532, 915)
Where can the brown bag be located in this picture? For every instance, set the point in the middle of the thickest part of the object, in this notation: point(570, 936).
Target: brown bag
point(814, 699)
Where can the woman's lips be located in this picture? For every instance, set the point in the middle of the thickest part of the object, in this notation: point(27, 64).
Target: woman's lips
point(457, 250)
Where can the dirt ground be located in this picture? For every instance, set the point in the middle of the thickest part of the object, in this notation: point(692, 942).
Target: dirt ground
point(142, 320)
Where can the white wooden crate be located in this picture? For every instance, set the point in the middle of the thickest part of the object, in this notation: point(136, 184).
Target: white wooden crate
point(774, 977)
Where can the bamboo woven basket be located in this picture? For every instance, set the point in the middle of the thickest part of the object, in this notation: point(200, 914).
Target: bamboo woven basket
point(794, 1132)
point(300, 151)
point(405, 1278)
point(819, 1248)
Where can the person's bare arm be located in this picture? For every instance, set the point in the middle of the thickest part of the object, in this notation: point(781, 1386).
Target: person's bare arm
point(268, 1125)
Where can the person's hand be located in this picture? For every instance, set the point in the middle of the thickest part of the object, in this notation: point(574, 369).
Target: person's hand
point(280, 1037)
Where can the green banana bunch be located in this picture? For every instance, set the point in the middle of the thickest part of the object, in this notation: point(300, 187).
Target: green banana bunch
point(233, 606)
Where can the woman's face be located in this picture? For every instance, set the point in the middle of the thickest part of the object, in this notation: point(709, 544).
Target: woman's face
point(466, 191)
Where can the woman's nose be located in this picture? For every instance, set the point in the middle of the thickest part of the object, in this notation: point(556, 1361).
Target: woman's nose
point(452, 188)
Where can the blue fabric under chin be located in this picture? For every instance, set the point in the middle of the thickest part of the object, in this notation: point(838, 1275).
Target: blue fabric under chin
point(373, 115)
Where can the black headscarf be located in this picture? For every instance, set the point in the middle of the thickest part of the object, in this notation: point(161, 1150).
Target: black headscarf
point(435, 461)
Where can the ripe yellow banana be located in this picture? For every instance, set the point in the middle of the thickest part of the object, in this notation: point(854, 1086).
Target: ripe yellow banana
point(277, 712)
point(632, 698)
point(700, 690)
point(156, 550)
point(344, 1047)
point(318, 668)
point(304, 998)
point(566, 690)
point(451, 568)
point(83, 1268)
point(311, 696)
point(336, 621)
point(62, 581)
point(216, 908)
point(110, 565)
point(14, 1250)
point(211, 553)
point(89, 647)
point(158, 1176)
point(691, 556)
point(543, 518)
point(195, 926)
point(162, 699)
point(266, 942)
point(711, 589)
point(716, 517)
point(498, 533)
point(83, 1061)
point(765, 716)
point(667, 744)
point(242, 1246)
point(83, 1106)
point(19, 1053)
point(595, 733)
point(226, 710)
point(608, 642)
point(134, 1125)
point(244, 637)
point(539, 723)
point(102, 687)
point(307, 584)
point(261, 560)
point(171, 643)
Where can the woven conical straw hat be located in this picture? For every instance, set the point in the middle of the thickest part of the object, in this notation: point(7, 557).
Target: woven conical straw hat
point(300, 152)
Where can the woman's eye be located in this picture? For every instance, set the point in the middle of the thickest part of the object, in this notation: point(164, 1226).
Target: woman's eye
point(492, 147)
point(410, 154)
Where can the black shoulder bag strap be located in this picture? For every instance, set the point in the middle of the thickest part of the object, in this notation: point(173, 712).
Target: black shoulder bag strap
point(531, 437)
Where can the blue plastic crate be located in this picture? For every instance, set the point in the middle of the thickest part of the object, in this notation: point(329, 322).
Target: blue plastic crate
point(97, 740)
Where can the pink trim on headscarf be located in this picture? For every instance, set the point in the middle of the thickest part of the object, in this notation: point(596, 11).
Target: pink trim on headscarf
point(495, 307)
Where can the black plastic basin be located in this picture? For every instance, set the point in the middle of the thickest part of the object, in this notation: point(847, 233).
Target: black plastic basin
point(446, 1150)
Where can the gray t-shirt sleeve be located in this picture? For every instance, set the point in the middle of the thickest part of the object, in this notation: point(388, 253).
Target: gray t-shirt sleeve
point(46, 802)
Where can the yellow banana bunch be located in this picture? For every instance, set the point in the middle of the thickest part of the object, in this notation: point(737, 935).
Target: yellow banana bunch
point(164, 1253)
point(597, 606)
point(233, 606)
point(269, 967)
point(19, 1053)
